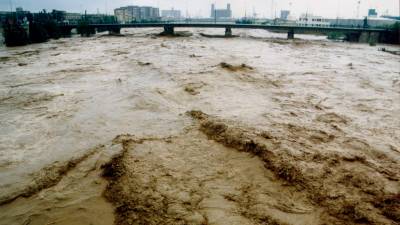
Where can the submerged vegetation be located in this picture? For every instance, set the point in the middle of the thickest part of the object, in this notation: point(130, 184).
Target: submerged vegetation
point(396, 32)
point(40, 27)
point(33, 28)
point(15, 35)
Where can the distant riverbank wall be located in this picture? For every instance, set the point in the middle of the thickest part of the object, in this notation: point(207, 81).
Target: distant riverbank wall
point(1, 37)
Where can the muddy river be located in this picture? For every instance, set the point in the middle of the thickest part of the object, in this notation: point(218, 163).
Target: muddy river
point(144, 129)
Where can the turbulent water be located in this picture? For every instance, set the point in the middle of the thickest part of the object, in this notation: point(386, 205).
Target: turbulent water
point(68, 105)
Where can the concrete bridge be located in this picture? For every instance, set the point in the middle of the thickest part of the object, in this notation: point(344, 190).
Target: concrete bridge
point(352, 34)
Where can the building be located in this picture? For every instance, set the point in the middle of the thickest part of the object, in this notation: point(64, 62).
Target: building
point(127, 14)
point(21, 14)
point(149, 13)
point(371, 22)
point(130, 14)
point(171, 14)
point(72, 18)
point(3, 16)
point(284, 14)
point(308, 20)
point(98, 18)
point(58, 15)
point(372, 13)
point(391, 17)
point(221, 13)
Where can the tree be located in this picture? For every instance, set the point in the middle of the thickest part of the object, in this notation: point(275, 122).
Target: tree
point(14, 33)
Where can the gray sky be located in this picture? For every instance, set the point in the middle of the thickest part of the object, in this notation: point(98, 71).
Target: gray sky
point(326, 8)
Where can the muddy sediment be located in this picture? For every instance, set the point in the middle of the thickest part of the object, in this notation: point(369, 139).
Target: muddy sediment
point(276, 135)
point(67, 193)
point(194, 180)
point(48, 177)
point(350, 186)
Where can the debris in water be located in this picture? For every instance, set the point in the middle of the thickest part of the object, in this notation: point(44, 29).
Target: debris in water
point(234, 68)
point(144, 63)
point(194, 56)
point(193, 88)
point(218, 36)
point(394, 52)
point(177, 34)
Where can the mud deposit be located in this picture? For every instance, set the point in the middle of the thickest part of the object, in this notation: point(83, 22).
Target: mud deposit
point(149, 129)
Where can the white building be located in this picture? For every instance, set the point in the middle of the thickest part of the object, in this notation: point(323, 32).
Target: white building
point(308, 20)
point(130, 14)
point(171, 14)
point(72, 18)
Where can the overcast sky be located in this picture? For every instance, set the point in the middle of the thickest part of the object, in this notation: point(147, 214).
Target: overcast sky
point(326, 8)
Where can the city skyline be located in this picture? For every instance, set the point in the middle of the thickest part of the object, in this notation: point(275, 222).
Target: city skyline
point(263, 8)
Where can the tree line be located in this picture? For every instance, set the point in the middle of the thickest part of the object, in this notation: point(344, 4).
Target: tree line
point(22, 29)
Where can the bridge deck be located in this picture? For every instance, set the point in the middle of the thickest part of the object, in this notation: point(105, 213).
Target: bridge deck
point(237, 26)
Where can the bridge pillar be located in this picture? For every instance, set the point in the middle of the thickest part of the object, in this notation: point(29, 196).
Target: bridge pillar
point(86, 31)
point(168, 30)
point(369, 37)
point(373, 37)
point(364, 37)
point(228, 32)
point(353, 37)
point(66, 31)
point(290, 35)
point(114, 31)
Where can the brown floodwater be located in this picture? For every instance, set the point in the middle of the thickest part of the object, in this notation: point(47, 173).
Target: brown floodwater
point(62, 103)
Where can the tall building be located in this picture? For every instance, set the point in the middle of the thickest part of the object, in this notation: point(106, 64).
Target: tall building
point(284, 14)
point(221, 13)
point(171, 14)
point(372, 13)
point(130, 14)
point(127, 14)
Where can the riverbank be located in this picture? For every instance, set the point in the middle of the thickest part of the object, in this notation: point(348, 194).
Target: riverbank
point(191, 130)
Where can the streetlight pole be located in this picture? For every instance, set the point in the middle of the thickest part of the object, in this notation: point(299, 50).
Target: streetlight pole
point(337, 12)
point(272, 9)
point(215, 12)
point(11, 6)
point(106, 7)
